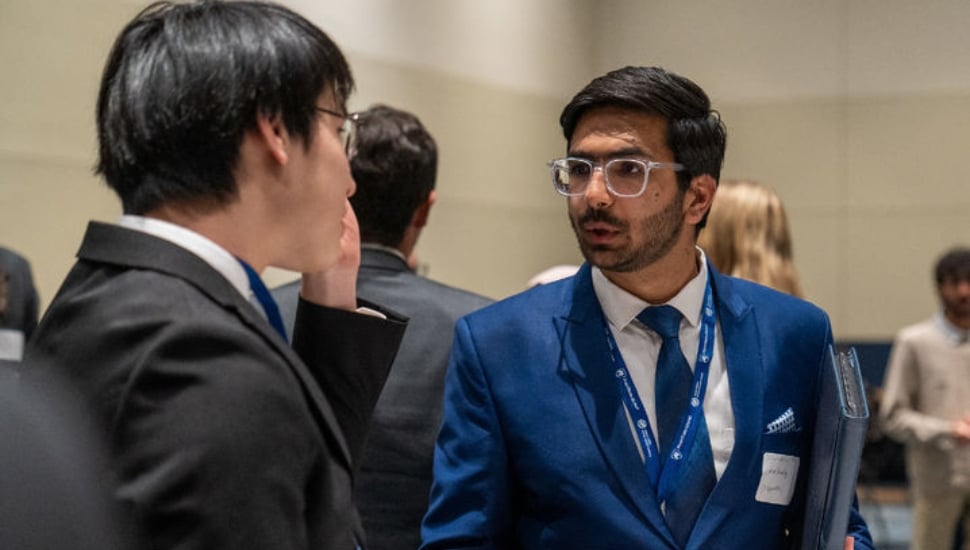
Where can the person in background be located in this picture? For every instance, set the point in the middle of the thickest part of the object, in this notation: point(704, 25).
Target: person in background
point(55, 486)
point(747, 236)
point(19, 305)
point(222, 129)
point(926, 406)
point(552, 274)
point(553, 433)
point(395, 165)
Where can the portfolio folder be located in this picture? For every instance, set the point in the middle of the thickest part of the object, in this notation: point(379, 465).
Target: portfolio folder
point(840, 433)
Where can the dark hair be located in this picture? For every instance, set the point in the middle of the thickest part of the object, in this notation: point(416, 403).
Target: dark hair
point(394, 166)
point(954, 264)
point(184, 82)
point(695, 132)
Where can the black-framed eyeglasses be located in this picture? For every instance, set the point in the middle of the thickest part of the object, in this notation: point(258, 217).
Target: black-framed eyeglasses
point(625, 177)
point(348, 130)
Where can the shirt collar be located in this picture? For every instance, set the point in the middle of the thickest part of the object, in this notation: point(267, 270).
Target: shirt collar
point(382, 248)
point(953, 333)
point(621, 307)
point(219, 258)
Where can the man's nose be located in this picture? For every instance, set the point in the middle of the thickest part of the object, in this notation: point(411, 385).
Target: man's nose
point(598, 196)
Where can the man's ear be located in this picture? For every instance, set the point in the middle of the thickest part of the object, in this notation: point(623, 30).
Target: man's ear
point(420, 218)
point(272, 133)
point(698, 199)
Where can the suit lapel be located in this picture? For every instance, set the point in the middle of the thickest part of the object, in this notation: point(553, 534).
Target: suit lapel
point(116, 245)
point(744, 365)
point(587, 363)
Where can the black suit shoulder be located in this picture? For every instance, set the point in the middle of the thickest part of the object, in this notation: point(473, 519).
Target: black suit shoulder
point(220, 436)
point(186, 393)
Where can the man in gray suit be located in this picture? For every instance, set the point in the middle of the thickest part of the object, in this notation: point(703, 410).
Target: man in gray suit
point(394, 166)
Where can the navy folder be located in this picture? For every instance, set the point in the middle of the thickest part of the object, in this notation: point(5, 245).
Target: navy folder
point(840, 434)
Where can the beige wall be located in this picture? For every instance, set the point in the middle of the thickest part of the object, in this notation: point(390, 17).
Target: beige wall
point(855, 110)
point(51, 55)
point(488, 79)
point(874, 190)
point(498, 220)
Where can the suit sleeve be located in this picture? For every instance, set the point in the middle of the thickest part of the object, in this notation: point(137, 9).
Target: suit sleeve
point(470, 494)
point(350, 356)
point(858, 528)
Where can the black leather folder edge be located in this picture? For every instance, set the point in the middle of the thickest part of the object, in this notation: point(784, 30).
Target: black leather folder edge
point(840, 434)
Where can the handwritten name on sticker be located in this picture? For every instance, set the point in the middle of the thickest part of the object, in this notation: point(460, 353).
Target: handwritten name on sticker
point(778, 475)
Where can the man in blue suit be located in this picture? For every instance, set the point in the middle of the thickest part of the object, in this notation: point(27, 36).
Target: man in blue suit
point(648, 401)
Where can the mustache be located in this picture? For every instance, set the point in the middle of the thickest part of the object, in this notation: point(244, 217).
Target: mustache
point(593, 215)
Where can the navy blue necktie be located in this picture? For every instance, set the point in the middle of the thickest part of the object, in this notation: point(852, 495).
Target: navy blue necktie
point(265, 299)
point(673, 378)
point(672, 391)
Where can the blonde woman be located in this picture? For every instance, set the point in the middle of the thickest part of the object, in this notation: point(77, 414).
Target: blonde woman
point(747, 236)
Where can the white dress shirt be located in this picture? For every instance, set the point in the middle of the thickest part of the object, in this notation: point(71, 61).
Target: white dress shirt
point(219, 258)
point(640, 348)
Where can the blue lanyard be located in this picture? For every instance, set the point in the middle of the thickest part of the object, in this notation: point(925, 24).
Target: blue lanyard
point(663, 481)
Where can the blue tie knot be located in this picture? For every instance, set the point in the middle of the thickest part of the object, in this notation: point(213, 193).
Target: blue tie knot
point(664, 320)
point(265, 298)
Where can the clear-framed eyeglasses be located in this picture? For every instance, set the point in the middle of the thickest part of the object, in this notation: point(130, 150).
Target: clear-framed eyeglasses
point(348, 130)
point(624, 177)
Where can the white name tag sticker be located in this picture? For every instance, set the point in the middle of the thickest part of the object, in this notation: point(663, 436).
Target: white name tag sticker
point(778, 474)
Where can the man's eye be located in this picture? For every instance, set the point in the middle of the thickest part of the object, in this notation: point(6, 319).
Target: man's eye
point(578, 169)
point(628, 168)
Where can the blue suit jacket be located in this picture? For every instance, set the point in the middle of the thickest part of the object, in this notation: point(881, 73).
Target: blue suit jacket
point(536, 451)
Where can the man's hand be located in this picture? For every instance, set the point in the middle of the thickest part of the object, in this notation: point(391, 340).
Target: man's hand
point(849, 543)
point(337, 286)
point(962, 429)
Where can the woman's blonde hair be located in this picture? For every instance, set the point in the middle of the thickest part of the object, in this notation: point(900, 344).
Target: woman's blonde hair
point(747, 236)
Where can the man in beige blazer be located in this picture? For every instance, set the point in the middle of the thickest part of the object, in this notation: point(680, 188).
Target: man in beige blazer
point(926, 406)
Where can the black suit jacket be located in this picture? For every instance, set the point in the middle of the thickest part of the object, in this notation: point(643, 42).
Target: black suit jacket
point(222, 436)
point(395, 477)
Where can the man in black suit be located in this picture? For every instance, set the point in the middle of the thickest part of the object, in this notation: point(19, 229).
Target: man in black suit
point(220, 127)
point(395, 165)
point(18, 304)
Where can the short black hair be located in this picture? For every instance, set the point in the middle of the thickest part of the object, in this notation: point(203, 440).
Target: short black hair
point(954, 264)
point(394, 165)
point(695, 132)
point(184, 82)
